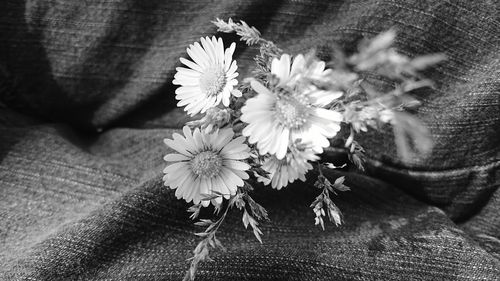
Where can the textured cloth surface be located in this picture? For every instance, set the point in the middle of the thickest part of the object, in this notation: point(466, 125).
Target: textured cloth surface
point(87, 99)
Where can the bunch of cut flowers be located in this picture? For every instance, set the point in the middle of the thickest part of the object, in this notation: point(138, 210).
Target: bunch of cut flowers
point(271, 128)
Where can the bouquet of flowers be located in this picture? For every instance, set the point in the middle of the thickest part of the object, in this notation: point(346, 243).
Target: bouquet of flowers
point(272, 127)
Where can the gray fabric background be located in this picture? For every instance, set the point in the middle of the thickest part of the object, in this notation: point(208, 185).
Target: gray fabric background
point(86, 95)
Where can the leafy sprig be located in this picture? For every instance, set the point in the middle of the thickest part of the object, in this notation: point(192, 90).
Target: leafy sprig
point(202, 251)
point(252, 213)
point(248, 34)
point(243, 202)
point(364, 106)
point(323, 204)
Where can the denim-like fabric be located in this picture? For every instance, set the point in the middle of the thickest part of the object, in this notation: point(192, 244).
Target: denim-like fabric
point(86, 100)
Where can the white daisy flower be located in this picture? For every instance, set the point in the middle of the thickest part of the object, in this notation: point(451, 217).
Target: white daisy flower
point(206, 162)
point(291, 111)
point(209, 78)
point(283, 171)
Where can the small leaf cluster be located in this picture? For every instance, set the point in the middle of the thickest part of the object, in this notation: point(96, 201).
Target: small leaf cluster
point(323, 204)
point(248, 34)
point(244, 202)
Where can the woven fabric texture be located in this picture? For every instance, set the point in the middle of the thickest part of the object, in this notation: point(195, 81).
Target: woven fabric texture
point(86, 100)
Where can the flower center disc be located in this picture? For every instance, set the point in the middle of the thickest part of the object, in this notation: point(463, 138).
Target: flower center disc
point(206, 164)
point(213, 80)
point(291, 111)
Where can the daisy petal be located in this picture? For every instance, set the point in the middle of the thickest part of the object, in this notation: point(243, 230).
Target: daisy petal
point(175, 157)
